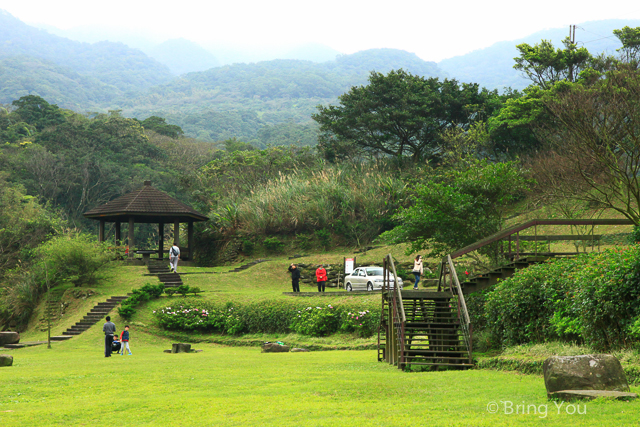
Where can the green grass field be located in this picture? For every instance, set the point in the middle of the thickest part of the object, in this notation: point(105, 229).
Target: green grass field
point(73, 384)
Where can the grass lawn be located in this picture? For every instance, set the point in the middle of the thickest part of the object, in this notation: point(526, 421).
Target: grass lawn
point(73, 384)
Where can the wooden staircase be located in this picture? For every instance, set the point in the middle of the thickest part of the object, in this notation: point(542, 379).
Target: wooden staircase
point(97, 313)
point(484, 280)
point(423, 328)
point(161, 269)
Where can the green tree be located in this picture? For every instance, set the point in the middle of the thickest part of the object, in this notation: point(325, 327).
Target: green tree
point(545, 65)
point(400, 114)
point(37, 112)
point(160, 125)
point(630, 39)
point(458, 207)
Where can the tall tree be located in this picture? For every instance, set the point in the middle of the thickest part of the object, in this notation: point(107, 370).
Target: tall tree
point(400, 114)
point(545, 65)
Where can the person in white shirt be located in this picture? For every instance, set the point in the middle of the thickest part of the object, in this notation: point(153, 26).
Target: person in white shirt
point(174, 256)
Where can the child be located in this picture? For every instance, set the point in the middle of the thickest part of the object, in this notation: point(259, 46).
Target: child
point(124, 339)
point(115, 345)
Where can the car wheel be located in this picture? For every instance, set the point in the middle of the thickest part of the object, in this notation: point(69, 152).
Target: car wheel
point(370, 286)
point(348, 287)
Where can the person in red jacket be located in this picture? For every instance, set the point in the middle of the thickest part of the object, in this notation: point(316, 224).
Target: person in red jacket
point(321, 277)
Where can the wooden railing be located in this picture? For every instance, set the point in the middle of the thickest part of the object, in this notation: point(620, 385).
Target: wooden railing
point(395, 341)
point(448, 269)
point(509, 233)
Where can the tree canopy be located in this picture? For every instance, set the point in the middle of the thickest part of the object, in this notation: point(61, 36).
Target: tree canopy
point(399, 114)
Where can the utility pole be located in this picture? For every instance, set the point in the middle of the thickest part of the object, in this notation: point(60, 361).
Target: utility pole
point(572, 34)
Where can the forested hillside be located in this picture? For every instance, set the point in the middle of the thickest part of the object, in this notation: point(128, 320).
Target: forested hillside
point(492, 67)
point(31, 52)
point(240, 100)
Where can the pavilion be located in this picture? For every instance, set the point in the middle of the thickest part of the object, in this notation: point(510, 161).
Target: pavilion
point(147, 205)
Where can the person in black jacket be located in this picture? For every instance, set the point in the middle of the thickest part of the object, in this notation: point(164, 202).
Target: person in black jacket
point(295, 277)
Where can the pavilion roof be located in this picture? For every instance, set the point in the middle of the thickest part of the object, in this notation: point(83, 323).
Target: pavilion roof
point(147, 205)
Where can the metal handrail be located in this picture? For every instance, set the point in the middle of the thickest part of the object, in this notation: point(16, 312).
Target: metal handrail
point(463, 313)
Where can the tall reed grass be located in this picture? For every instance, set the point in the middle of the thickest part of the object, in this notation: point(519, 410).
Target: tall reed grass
point(352, 201)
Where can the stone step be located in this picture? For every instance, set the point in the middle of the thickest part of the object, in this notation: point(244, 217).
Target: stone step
point(72, 332)
point(61, 337)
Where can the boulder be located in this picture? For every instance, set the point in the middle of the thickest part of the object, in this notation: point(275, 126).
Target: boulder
point(180, 348)
point(299, 350)
point(6, 360)
point(585, 372)
point(272, 347)
point(9, 338)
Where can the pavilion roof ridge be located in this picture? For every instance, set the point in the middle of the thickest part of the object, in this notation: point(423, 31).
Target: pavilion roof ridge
point(146, 204)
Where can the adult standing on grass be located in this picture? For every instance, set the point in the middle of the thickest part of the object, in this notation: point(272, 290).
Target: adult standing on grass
point(295, 277)
point(321, 277)
point(418, 270)
point(174, 256)
point(109, 329)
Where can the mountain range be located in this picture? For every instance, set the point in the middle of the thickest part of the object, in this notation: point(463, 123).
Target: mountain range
point(266, 102)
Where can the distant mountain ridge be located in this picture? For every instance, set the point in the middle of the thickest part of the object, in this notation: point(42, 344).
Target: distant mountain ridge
point(104, 66)
point(492, 67)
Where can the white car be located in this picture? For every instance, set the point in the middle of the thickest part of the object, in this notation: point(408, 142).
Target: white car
point(368, 278)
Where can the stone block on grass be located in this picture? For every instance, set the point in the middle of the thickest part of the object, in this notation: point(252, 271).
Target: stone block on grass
point(272, 347)
point(9, 338)
point(6, 360)
point(180, 348)
point(585, 372)
point(299, 350)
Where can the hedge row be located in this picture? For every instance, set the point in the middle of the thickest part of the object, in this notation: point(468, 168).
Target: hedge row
point(271, 316)
point(592, 299)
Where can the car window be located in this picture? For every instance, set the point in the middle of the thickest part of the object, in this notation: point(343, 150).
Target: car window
point(374, 272)
point(355, 272)
point(362, 273)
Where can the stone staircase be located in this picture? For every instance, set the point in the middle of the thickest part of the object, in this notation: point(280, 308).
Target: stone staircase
point(247, 265)
point(164, 274)
point(97, 313)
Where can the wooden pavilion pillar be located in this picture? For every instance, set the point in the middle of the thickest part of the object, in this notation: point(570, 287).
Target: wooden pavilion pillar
point(161, 240)
point(190, 240)
point(176, 232)
point(131, 242)
point(118, 234)
point(101, 231)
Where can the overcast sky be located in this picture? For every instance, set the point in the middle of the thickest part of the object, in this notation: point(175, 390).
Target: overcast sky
point(434, 31)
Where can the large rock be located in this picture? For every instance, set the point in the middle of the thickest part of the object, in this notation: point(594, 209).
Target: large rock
point(9, 338)
point(6, 360)
point(272, 347)
point(586, 372)
point(180, 348)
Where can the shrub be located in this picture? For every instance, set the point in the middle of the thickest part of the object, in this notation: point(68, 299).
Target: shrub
point(195, 290)
point(269, 317)
point(182, 290)
point(316, 321)
point(170, 291)
point(591, 299)
point(73, 257)
point(145, 293)
point(362, 323)
point(324, 238)
point(273, 244)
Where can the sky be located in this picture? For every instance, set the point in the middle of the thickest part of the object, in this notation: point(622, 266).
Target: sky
point(434, 31)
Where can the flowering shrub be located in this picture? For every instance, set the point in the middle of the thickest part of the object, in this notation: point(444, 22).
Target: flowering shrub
point(316, 321)
point(275, 316)
point(363, 323)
